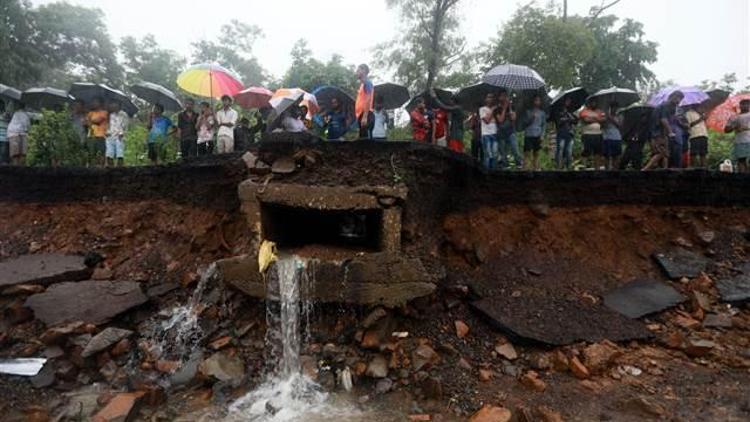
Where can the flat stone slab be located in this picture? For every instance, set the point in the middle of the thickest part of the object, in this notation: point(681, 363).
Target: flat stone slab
point(557, 322)
point(679, 263)
point(43, 269)
point(735, 289)
point(108, 337)
point(88, 301)
point(641, 298)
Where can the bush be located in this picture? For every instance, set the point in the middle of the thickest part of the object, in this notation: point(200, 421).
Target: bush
point(54, 141)
point(136, 151)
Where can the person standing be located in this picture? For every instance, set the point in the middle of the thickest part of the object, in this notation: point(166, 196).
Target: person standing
point(17, 133)
point(159, 130)
point(456, 123)
point(740, 125)
point(187, 130)
point(489, 131)
point(226, 119)
point(78, 119)
point(363, 105)
point(505, 114)
point(420, 124)
point(97, 120)
point(380, 121)
point(535, 125)
point(635, 141)
point(662, 133)
point(335, 121)
point(114, 153)
point(612, 134)
point(206, 124)
point(591, 119)
point(4, 118)
point(440, 130)
point(698, 136)
point(565, 122)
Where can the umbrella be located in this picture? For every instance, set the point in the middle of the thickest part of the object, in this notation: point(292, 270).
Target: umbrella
point(445, 96)
point(718, 118)
point(622, 96)
point(716, 97)
point(8, 93)
point(281, 104)
point(254, 97)
point(693, 96)
point(514, 77)
point(577, 97)
point(87, 92)
point(326, 94)
point(157, 94)
point(40, 98)
point(472, 97)
point(393, 95)
point(632, 116)
point(210, 80)
point(308, 99)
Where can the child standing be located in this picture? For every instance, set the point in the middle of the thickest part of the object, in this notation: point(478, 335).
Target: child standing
point(206, 124)
point(535, 123)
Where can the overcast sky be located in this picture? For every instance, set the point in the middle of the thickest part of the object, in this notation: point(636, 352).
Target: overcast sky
point(698, 39)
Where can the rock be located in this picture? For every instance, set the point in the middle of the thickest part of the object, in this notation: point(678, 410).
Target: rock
point(122, 347)
point(102, 274)
point(284, 165)
point(717, 321)
point(345, 380)
point(223, 367)
point(685, 321)
point(120, 408)
point(700, 301)
point(376, 315)
point(220, 343)
point(462, 330)
point(486, 375)
point(680, 263)
point(90, 301)
point(560, 361)
point(371, 340)
point(578, 369)
point(511, 370)
point(490, 413)
point(464, 364)
point(383, 386)
point(432, 388)
point(66, 370)
point(641, 298)
point(420, 418)
point(161, 289)
point(736, 289)
point(707, 237)
point(549, 415)
point(45, 377)
point(104, 340)
point(599, 356)
point(81, 404)
point(507, 351)
point(699, 348)
point(167, 366)
point(643, 407)
point(531, 380)
point(23, 289)
point(540, 361)
point(43, 269)
point(187, 371)
point(424, 356)
point(377, 368)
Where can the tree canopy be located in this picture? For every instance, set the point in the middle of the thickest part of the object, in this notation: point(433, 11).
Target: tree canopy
point(144, 60)
point(308, 73)
point(234, 49)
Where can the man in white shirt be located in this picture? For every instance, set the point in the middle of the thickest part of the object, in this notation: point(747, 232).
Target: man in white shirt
point(380, 127)
point(226, 119)
point(18, 130)
point(292, 123)
point(115, 143)
point(489, 131)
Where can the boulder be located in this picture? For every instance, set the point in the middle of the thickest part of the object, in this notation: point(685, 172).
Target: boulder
point(490, 413)
point(223, 367)
point(104, 340)
point(43, 269)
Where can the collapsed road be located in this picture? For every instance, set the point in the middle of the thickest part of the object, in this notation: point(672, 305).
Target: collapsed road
point(438, 291)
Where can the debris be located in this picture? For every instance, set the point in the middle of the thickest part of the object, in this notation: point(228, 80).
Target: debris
point(549, 415)
point(423, 356)
point(104, 340)
point(220, 342)
point(641, 298)
point(630, 370)
point(686, 321)
point(376, 315)
point(736, 289)
point(266, 255)
point(464, 364)
point(680, 263)
point(420, 418)
point(490, 413)
point(507, 351)
point(486, 375)
point(578, 369)
point(699, 348)
point(223, 367)
point(643, 407)
point(432, 388)
point(462, 330)
point(45, 377)
point(102, 274)
point(90, 301)
point(284, 165)
point(27, 367)
point(43, 269)
point(532, 381)
point(383, 386)
point(119, 409)
point(717, 321)
point(378, 367)
point(599, 356)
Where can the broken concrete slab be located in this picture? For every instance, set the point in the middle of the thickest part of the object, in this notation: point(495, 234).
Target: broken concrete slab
point(642, 297)
point(104, 340)
point(43, 269)
point(679, 263)
point(735, 289)
point(89, 301)
point(557, 322)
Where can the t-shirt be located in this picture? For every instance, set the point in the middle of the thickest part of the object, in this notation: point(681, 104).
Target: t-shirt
point(594, 128)
point(226, 116)
point(206, 129)
point(699, 129)
point(292, 124)
point(186, 122)
point(487, 128)
point(380, 124)
point(664, 111)
point(159, 129)
point(98, 122)
point(336, 124)
point(419, 125)
point(565, 121)
point(441, 124)
point(612, 132)
point(118, 124)
point(19, 124)
point(365, 97)
point(536, 121)
point(741, 125)
point(3, 130)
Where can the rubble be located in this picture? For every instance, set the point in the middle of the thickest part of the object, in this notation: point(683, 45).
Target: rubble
point(490, 413)
point(641, 298)
point(223, 367)
point(680, 262)
point(735, 289)
point(43, 269)
point(102, 341)
point(531, 380)
point(120, 408)
point(378, 367)
point(462, 330)
point(507, 351)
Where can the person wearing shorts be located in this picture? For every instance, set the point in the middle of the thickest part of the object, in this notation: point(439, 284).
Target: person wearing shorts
point(159, 131)
point(535, 124)
point(662, 133)
point(226, 119)
point(17, 134)
point(740, 125)
point(698, 136)
point(115, 144)
point(612, 139)
point(591, 119)
point(98, 121)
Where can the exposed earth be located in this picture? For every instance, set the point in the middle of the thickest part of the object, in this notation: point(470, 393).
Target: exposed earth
point(517, 327)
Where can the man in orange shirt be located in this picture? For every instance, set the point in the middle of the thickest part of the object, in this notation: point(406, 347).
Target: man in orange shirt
point(363, 106)
point(98, 123)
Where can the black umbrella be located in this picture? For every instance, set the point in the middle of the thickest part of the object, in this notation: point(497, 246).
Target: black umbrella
point(8, 93)
point(577, 97)
point(275, 117)
point(393, 95)
point(87, 92)
point(157, 94)
point(632, 116)
point(514, 78)
point(472, 97)
point(40, 98)
point(622, 96)
point(326, 94)
point(445, 96)
point(716, 97)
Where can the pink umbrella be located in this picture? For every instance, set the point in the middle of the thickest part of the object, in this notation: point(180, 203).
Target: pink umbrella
point(718, 118)
point(254, 97)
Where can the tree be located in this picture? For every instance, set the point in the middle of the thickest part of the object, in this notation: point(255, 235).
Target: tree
point(430, 50)
point(308, 73)
point(727, 83)
point(234, 49)
point(144, 60)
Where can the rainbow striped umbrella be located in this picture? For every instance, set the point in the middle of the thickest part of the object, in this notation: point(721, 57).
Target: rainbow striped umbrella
point(209, 80)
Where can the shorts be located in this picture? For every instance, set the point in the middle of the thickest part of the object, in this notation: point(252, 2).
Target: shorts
point(699, 146)
point(532, 143)
point(156, 151)
point(115, 147)
point(741, 151)
point(612, 148)
point(18, 145)
point(224, 144)
point(96, 146)
point(592, 145)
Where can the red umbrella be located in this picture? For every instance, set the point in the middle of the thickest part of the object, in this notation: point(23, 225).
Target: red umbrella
point(254, 97)
point(718, 118)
